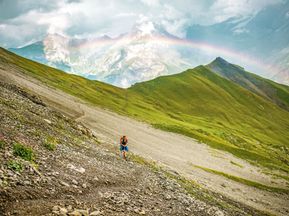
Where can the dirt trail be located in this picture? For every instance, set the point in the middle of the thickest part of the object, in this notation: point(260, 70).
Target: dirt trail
point(174, 151)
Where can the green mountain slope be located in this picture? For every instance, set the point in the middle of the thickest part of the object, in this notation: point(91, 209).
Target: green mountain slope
point(219, 112)
point(197, 103)
point(277, 93)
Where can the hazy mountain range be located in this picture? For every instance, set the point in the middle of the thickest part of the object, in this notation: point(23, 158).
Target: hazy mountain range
point(133, 57)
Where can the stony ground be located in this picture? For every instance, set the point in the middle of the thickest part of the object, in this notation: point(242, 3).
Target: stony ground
point(71, 173)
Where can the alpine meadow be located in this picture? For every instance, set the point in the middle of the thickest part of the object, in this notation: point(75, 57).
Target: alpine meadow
point(197, 103)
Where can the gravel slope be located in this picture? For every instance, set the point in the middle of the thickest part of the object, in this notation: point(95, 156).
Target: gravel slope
point(80, 176)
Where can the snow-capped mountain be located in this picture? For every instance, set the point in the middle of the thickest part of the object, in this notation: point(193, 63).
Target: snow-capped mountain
point(137, 56)
point(56, 49)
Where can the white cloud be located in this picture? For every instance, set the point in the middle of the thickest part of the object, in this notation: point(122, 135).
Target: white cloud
point(112, 17)
point(56, 24)
point(151, 2)
point(224, 9)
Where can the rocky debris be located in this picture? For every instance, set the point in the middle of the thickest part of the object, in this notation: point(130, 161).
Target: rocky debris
point(13, 88)
point(85, 130)
point(80, 176)
point(77, 169)
point(58, 210)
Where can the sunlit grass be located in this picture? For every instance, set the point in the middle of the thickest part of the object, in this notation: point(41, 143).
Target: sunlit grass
point(244, 181)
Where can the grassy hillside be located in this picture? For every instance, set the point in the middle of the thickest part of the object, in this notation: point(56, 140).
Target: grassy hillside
point(276, 93)
point(197, 103)
point(205, 106)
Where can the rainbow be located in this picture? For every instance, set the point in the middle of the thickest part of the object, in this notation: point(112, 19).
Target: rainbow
point(163, 40)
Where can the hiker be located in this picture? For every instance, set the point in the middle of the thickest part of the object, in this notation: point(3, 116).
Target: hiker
point(123, 146)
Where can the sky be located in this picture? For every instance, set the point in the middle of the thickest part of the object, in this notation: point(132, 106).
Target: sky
point(26, 21)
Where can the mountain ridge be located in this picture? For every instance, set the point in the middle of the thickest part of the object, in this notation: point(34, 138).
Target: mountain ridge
point(278, 94)
point(197, 103)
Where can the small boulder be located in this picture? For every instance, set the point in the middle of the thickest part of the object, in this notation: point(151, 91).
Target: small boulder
point(48, 121)
point(55, 208)
point(94, 213)
point(64, 183)
point(168, 197)
point(74, 182)
point(74, 213)
point(83, 212)
point(62, 211)
point(77, 169)
point(142, 212)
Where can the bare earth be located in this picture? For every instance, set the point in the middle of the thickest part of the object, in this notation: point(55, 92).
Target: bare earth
point(173, 151)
